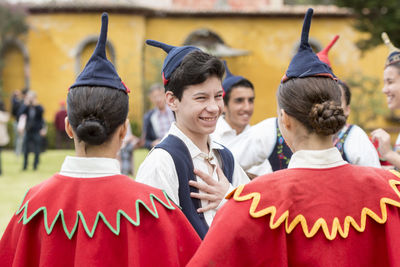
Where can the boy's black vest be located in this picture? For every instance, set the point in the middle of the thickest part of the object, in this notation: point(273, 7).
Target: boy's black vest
point(280, 156)
point(184, 168)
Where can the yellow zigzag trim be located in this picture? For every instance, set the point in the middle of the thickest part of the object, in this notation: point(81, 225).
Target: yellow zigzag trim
point(320, 223)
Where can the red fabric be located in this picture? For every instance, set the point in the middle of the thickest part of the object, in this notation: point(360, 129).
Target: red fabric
point(168, 240)
point(59, 121)
point(237, 239)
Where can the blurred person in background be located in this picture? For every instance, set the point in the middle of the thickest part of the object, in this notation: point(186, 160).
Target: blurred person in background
point(126, 155)
point(156, 122)
point(4, 138)
point(32, 113)
point(17, 101)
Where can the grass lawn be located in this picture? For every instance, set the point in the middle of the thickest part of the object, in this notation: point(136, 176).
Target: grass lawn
point(14, 182)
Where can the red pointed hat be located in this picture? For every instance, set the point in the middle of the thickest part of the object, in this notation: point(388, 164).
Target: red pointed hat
point(323, 54)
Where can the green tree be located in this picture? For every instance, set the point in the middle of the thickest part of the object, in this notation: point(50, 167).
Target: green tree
point(12, 25)
point(367, 101)
point(374, 17)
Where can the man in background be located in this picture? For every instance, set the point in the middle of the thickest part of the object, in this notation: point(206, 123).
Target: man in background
point(156, 122)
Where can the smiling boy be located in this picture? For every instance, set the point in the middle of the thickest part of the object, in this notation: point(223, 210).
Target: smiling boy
point(195, 171)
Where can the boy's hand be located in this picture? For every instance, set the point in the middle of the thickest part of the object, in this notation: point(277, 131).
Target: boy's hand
point(214, 191)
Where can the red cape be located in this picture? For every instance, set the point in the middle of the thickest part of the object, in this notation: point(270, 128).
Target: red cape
point(343, 216)
point(108, 221)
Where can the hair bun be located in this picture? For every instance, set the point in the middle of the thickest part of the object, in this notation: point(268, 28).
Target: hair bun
point(327, 118)
point(92, 131)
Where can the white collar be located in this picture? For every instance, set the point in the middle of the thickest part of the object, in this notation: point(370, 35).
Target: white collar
point(193, 149)
point(225, 127)
point(316, 159)
point(81, 167)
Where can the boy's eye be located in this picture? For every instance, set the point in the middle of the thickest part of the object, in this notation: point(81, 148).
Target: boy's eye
point(219, 96)
point(200, 98)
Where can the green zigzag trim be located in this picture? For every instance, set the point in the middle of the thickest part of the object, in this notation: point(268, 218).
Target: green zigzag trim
point(90, 233)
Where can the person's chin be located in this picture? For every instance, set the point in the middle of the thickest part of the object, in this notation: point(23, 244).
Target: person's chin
point(393, 105)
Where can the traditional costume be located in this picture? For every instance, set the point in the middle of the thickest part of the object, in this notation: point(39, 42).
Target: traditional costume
point(91, 215)
point(170, 165)
point(321, 211)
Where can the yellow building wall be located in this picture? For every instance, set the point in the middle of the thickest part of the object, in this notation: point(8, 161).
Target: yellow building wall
point(271, 43)
point(53, 41)
point(13, 77)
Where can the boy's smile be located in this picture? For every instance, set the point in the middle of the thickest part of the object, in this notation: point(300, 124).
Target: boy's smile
point(199, 109)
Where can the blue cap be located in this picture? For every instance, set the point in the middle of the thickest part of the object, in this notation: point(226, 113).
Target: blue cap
point(173, 59)
point(98, 70)
point(230, 80)
point(306, 63)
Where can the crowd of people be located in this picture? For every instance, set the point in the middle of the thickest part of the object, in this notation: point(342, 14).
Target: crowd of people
point(304, 188)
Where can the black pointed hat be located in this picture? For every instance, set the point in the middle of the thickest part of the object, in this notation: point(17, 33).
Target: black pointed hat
point(394, 52)
point(98, 70)
point(174, 57)
point(230, 79)
point(306, 63)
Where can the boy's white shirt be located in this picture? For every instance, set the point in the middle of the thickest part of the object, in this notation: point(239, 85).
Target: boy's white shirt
point(226, 135)
point(255, 145)
point(158, 170)
point(359, 149)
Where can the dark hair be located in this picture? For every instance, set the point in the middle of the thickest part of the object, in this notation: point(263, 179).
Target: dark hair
point(95, 112)
point(2, 108)
point(195, 68)
point(315, 102)
point(346, 91)
point(242, 83)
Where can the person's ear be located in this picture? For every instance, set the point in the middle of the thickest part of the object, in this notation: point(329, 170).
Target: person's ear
point(171, 100)
point(286, 119)
point(124, 129)
point(68, 129)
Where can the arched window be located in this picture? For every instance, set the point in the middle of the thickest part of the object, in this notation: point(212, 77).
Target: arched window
point(15, 71)
point(314, 43)
point(212, 43)
point(85, 50)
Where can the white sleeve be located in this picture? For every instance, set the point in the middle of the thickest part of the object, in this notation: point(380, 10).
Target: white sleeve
point(255, 145)
point(158, 170)
point(261, 169)
point(359, 149)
